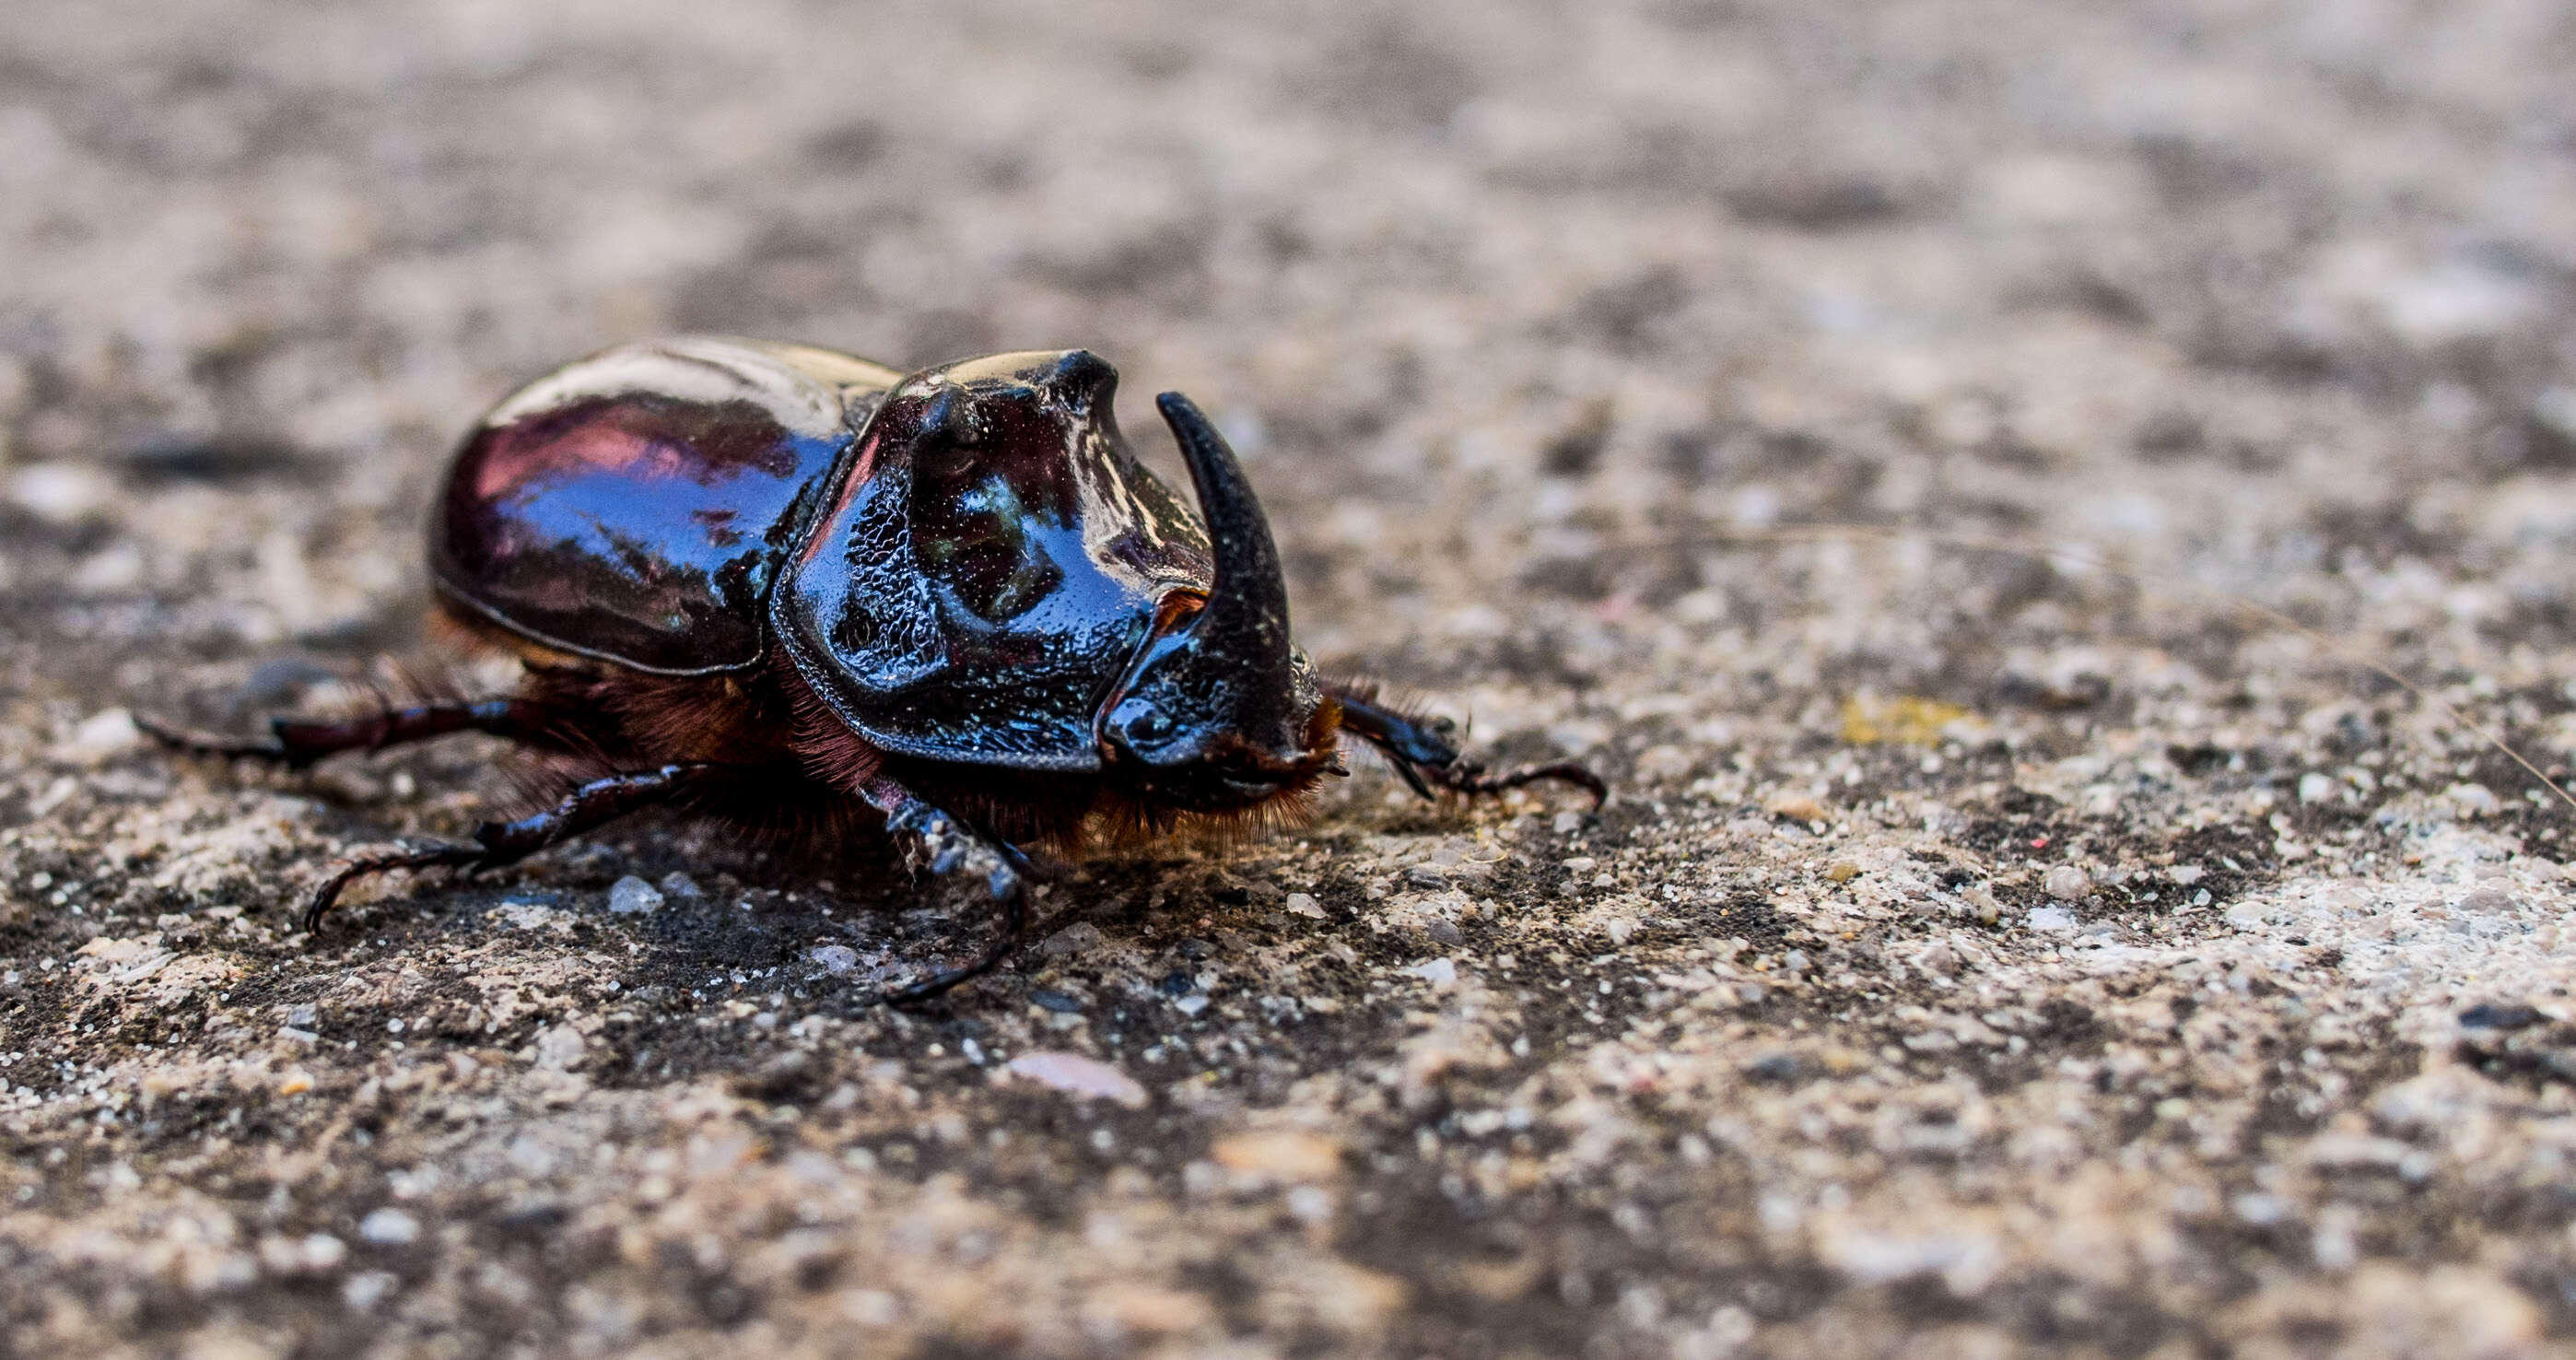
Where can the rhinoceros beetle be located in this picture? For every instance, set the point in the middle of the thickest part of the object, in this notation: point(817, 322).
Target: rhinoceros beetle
point(779, 585)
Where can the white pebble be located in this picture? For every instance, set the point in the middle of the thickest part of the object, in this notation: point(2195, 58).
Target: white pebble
point(1075, 1074)
point(367, 1288)
point(633, 896)
point(2260, 1209)
point(677, 884)
point(562, 1047)
point(59, 492)
point(836, 959)
point(2053, 920)
point(107, 733)
point(2068, 883)
point(389, 1228)
point(322, 1251)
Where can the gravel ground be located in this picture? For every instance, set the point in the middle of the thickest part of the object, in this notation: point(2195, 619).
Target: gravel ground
point(1984, 954)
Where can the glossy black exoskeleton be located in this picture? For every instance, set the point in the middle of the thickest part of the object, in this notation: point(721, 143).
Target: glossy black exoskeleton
point(776, 584)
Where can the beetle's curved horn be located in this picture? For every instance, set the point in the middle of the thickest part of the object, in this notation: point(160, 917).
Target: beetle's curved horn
point(1244, 629)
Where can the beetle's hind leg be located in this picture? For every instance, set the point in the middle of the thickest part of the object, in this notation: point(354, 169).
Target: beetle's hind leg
point(946, 845)
point(501, 843)
point(298, 743)
point(1419, 750)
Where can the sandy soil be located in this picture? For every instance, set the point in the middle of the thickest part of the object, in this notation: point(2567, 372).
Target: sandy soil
point(1983, 955)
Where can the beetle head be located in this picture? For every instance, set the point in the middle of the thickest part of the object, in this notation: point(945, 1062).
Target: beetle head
point(1219, 710)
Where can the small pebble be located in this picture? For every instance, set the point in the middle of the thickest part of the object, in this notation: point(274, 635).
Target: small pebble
point(107, 733)
point(1073, 939)
point(2068, 883)
point(2489, 1015)
point(677, 884)
point(368, 1288)
point(321, 1251)
point(1797, 807)
point(835, 959)
point(1284, 1155)
point(2052, 920)
point(1304, 904)
point(632, 896)
point(561, 1046)
point(1774, 1067)
point(2473, 800)
point(389, 1228)
point(2260, 1209)
point(1079, 1075)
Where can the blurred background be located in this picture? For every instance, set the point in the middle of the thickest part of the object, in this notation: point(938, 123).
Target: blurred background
point(1486, 290)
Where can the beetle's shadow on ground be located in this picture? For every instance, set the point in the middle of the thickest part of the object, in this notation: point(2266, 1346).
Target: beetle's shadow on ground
point(770, 911)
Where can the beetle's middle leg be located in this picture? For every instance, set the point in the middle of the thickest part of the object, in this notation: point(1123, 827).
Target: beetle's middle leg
point(947, 845)
point(1421, 754)
point(500, 843)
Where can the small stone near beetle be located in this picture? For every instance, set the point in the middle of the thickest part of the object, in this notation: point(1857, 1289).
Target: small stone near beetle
point(1075, 1074)
point(632, 896)
point(835, 959)
point(2067, 883)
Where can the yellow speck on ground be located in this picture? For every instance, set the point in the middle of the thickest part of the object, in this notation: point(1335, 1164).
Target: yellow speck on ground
point(1905, 720)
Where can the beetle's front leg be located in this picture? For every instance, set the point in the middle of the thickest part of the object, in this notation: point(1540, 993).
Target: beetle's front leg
point(946, 845)
point(1419, 750)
